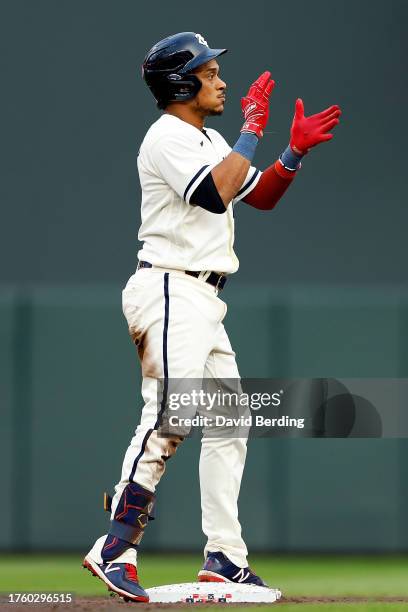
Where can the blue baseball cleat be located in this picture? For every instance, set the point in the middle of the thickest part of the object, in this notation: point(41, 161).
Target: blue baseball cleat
point(218, 568)
point(121, 578)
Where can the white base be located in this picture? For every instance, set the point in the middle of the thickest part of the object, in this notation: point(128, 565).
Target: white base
point(217, 592)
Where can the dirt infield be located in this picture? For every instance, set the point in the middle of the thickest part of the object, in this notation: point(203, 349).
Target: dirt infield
point(113, 604)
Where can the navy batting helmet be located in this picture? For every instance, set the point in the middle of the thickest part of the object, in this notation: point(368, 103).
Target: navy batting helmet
point(168, 66)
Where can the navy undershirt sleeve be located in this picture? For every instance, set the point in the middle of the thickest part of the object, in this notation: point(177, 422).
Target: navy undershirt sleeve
point(206, 196)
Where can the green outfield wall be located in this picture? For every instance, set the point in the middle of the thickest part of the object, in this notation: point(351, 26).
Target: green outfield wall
point(70, 400)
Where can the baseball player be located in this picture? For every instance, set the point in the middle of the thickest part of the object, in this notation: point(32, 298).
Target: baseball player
point(191, 180)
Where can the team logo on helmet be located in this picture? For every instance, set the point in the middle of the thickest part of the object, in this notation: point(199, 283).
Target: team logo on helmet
point(201, 40)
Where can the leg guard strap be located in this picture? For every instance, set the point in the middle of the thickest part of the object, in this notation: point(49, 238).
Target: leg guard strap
point(130, 533)
point(134, 510)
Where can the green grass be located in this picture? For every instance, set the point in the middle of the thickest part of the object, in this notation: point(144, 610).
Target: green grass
point(295, 576)
point(361, 607)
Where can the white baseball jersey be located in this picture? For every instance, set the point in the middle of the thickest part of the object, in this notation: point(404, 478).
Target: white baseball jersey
point(174, 158)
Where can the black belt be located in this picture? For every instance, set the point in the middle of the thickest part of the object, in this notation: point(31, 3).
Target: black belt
point(216, 280)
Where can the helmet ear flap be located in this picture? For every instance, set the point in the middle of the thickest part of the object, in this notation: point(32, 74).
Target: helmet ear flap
point(183, 86)
point(179, 88)
point(196, 83)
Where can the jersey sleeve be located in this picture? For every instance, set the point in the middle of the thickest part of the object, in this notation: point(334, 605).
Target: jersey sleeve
point(251, 179)
point(181, 163)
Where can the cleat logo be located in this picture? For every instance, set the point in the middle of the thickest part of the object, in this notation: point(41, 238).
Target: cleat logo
point(111, 569)
point(241, 576)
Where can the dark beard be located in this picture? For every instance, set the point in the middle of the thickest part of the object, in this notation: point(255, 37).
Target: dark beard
point(206, 112)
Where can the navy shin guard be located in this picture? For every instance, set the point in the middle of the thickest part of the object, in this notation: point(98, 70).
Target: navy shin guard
point(134, 510)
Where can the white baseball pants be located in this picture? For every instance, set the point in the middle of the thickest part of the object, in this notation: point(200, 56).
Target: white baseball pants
point(176, 320)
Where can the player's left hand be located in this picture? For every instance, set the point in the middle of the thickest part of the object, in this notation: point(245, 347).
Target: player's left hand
point(307, 132)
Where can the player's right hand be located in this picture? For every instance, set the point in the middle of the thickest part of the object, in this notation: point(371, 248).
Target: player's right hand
point(255, 105)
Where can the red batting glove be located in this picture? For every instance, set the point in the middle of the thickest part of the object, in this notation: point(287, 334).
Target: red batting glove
point(307, 132)
point(255, 105)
